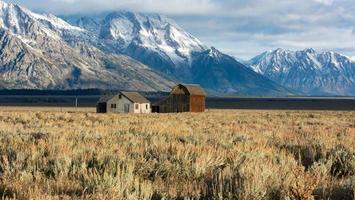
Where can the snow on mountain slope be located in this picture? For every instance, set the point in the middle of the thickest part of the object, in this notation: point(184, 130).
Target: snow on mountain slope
point(150, 38)
point(152, 31)
point(325, 73)
point(35, 53)
point(19, 20)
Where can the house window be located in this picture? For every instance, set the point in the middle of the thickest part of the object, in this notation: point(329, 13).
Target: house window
point(113, 106)
point(146, 106)
point(137, 106)
point(120, 96)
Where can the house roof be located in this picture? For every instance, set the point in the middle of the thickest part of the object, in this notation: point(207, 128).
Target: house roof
point(105, 98)
point(135, 97)
point(193, 89)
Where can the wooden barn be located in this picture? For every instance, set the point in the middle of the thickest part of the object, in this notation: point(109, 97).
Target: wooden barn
point(124, 102)
point(182, 98)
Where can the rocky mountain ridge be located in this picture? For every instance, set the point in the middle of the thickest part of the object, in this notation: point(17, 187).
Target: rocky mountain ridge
point(308, 71)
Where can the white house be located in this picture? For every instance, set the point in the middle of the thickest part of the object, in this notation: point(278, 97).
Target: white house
point(124, 102)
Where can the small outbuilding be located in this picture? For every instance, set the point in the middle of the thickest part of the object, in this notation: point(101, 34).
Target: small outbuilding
point(124, 102)
point(182, 98)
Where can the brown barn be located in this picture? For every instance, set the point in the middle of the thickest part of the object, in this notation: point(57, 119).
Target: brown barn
point(182, 98)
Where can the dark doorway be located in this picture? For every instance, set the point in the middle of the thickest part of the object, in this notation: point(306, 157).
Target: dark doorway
point(101, 108)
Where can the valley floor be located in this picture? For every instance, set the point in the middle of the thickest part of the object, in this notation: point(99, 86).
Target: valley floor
point(54, 153)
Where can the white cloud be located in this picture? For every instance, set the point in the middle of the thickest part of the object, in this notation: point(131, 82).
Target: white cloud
point(87, 6)
point(326, 2)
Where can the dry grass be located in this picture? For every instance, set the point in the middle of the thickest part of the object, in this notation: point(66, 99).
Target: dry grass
point(214, 155)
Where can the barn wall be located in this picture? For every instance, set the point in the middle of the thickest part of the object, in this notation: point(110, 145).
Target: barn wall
point(197, 103)
point(180, 100)
point(175, 103)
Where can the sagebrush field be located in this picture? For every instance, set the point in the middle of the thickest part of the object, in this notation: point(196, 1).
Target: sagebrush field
point(231, 154)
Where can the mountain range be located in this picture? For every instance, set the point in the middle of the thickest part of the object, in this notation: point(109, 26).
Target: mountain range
point(161, 44)
point(119, 50)
point(308, 71)
point(146, 52)
point(35, 55)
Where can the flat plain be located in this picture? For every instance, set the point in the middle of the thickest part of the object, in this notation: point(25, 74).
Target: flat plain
point(68, 153)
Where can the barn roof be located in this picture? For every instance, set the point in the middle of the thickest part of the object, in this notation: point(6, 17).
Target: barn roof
point(193, 89)
point(135, 97)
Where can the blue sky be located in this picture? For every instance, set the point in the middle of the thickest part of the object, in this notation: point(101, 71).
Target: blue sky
point(242, 28)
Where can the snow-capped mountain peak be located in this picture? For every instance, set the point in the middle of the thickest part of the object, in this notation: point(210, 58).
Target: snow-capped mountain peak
point(310, 51)
point(140, 34)
point(308, 70)
point(21, 21)
point(150, 30)
point(53, 21)
point(213, 52)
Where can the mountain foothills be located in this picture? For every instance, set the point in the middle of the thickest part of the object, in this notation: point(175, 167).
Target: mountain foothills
point(307, 71)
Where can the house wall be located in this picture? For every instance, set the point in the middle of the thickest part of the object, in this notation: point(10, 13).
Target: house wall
point(142, 108)
point(120, 106)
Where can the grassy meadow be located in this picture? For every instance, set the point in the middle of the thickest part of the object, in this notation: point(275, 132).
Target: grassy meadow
point(221, 154)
